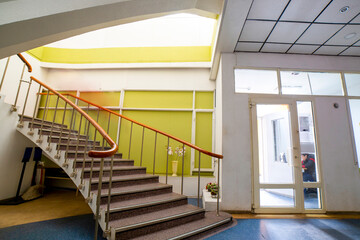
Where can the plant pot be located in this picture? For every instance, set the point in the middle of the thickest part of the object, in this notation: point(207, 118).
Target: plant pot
point(174, 165)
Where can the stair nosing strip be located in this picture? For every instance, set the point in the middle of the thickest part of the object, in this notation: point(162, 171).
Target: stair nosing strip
point(126, 179)
point(114, 169)
point(200, 230)
point(119, 209)
point(136, 191)
point(159, 220)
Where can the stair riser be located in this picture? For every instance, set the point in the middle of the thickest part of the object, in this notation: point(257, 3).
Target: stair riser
point(64, 134)
point(144, 210)
point(72, 147)
point(64, 140)
point(56, 128)
point(38, 121)
point(115, 173)
point(80, 155)
point(158, 227)
point(105, 185)
point(123, 197)
point(106, 164)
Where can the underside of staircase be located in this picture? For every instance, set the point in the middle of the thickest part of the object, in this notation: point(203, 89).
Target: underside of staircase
point(140, 207)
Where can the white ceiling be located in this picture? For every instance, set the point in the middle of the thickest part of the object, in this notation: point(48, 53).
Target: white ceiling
point(302, 27)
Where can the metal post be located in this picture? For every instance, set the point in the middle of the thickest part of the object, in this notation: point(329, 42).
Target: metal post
point(69, 136)
point(167, 160)
point(42, 121)
point(85, 148)
point(26, 99)
point(61, 131)
point(108, 126)
point(31, 132)
point(130, 139)
point(198, 198)
point(182, 170)
point(218, 182)
point(109, 194)
point(154, 153)
point(13, 108)
point(77, 144)
point(3, 77)
point(52, 124)
point(99, 198)
point(142, 146)
point(92, 165)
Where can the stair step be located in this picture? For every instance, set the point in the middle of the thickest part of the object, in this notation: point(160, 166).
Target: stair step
point(37, 120)
point(73, 140)
point(80, 155)
point(196, 229)
point(135, 191)
point(81, 147)
point(135, 207)
point(57, 133)
point(127, 180)
point(55, 127)
point(107, 162)
point(117, 171)
point(140, 225)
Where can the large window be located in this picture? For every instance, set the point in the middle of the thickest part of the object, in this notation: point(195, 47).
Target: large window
point(256, 81)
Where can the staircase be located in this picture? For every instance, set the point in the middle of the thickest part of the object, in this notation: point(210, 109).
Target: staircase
point(140, 207)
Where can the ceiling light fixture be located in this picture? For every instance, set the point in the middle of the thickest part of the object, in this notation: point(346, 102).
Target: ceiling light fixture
point(344, 9)
point(350, 35)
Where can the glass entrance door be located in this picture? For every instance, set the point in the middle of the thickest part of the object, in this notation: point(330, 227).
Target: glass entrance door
point(278, 135)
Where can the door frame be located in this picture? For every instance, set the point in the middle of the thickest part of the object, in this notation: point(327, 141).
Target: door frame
point(298, 184)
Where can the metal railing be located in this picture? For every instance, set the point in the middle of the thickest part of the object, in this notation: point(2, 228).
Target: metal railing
point(85, 132)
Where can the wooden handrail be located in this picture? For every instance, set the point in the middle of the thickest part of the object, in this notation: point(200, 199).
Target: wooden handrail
point(92, 153)
point(25, 61)
point(148, 127)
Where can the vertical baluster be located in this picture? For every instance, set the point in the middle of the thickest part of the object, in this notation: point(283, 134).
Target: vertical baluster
point(130, 139)
point(97, 216)
point(69, 136)
point(52, 124)
point(109, 194)
point(108, 125)
point(154, 153)
point(142, 146)
point(182, 170)
point(92, 165)
point(61, 132)
point(167, 160)
point(218, 182)
point(119, 134)
point(3, 77)
point(13, 108)
point(26, 99)
point(31, 132)
point(198, 198)
point(43, 118)
point(81, 186)
point(77, 144)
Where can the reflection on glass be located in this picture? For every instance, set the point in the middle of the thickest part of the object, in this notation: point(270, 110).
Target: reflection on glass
point(277, 198)
point(312, 198)
point(275, 164)
point(307, 142)
point(256, 81)
point(352, 84)
point(311, 83)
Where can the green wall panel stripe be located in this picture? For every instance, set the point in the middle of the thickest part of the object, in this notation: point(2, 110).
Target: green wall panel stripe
point(101, 98)
point(204, 100)
point(203, 138)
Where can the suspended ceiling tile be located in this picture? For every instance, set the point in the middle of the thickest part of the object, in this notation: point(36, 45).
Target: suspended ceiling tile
point(341, 37)
point(356, 20)
point(304, 10)
point(319, 33)
point(256, 31)
point(330, 50)
point(248, 47)
point(278, 48)
point(353, 51)
point(265, 9)
point(357, 43)
point(333, 15)
point(303, 49)
point(287, 32)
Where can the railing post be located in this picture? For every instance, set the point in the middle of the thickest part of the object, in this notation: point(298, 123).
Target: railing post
point(68, 140)
point(13, 108)
point(109, 194)
point(77, 146)
point(218, 182)
point(182, 170)
point(31, 132)
point(198, 198)
point(52, 124)
point(42, 121)
point(61, 131)
point(85, 155)
point(142, 146)
point(92, 165)
point(97, 215)
point(167, 161)
point(26, 99)
point(154, 153)
point(130, 140)
point(3, 77)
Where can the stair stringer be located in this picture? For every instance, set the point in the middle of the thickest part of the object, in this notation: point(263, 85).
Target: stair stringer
point(60, 160)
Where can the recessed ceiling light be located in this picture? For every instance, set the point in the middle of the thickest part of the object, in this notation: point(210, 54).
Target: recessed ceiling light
point(344, 9)
point(350, 35)
point(295, 73)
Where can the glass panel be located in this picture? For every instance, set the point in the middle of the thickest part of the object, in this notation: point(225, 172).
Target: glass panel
point(312, 198)
point(352, 84)
point(256, 81)
point(274, 144)
point(295, 83)
point(355, 117)
point(307, 142)
point(326, 84)
point(277, 198)
point(311, 83)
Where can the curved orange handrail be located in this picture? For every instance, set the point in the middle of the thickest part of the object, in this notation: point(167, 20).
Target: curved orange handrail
point(25, 61)
point(151, 128)
point(92, 153)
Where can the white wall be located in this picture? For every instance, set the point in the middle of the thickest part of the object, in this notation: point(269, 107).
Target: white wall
point(342, 190)
point(12, 147)
point(117, 79)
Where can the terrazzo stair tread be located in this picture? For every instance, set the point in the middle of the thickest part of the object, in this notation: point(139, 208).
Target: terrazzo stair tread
point(37, 120)
point(134, 189)
point(120, 168)
point(80, 147)
point(73, 140)
point(107, 162)
point(55, 127)
point(143, 220)
point(144, 202)
point(126, 178)
point(64, 134)
point(191, 229)
point(81, 155)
